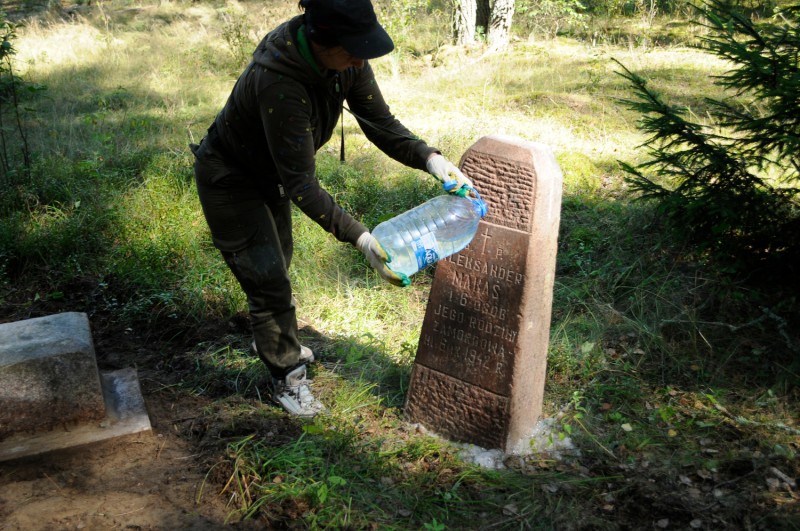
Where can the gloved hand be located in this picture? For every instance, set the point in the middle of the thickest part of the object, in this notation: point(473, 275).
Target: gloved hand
point(453, 181)
point(377, 258)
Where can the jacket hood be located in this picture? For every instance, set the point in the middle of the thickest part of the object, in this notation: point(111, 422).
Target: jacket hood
point(279, 52)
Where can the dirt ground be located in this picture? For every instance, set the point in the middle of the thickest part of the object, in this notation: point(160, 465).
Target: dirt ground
point(174, 476)
point(146, 481)
point(152, 480)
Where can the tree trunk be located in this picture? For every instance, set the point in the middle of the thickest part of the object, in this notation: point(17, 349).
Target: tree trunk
point(499, 30)
point(482, 16)
point(464, 22)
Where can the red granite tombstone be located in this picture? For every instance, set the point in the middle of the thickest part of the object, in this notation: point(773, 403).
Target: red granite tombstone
point(478, 376)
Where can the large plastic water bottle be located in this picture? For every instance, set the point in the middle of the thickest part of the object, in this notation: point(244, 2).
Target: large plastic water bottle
point(429, 232)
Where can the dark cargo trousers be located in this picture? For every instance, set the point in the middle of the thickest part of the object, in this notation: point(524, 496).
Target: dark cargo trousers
point(255, 239)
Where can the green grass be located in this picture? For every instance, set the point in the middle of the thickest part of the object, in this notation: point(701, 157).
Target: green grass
point(659, 366)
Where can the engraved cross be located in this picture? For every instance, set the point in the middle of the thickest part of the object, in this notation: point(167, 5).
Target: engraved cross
point(486, 238)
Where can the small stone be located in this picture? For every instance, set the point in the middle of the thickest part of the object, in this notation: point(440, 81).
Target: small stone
point(773, 484)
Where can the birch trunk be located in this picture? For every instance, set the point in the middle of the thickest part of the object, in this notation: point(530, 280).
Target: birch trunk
point(499, 30)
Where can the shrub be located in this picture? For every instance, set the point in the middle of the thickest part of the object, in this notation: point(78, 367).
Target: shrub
point(728, 186)
point(13, 142)
point(548, 17)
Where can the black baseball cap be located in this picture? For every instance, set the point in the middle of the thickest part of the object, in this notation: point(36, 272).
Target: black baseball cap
point(351, 24)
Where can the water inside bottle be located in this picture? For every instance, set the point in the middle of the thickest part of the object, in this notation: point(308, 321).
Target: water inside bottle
point(429, 232)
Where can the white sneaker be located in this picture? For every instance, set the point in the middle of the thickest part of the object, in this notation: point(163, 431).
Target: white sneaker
point(306, 354)
point(293, 394)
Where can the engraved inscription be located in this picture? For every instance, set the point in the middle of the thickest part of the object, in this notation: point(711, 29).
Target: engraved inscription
point(508, 205)
point(472, 322)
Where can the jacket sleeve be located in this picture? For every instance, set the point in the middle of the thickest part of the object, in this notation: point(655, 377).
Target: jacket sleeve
point(286, 116)
point(380, 126)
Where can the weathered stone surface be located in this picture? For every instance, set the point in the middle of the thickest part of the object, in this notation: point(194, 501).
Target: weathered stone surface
point(479, 372)
point(458, 404)
point(48, 374)
point(126, 415)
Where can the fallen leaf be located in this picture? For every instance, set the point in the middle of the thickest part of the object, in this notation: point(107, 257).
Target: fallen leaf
point(627, 427)
point(705, 474)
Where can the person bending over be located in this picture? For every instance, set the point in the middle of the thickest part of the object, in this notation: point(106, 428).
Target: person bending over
point(258, 157)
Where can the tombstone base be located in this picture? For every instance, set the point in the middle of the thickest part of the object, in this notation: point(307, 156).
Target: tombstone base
point(125, 415)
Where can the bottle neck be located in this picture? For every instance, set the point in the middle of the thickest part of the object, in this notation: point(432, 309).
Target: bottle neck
point(477, 202)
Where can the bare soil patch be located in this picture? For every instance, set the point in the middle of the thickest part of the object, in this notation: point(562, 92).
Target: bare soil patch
point(169, 478)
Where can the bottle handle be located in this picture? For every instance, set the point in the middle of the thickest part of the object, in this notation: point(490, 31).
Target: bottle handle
point(472, 194)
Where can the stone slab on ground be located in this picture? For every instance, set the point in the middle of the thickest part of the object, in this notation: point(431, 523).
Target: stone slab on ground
point(126, 415)
point(48, 374)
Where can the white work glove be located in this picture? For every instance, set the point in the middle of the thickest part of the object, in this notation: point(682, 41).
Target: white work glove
point(453, 181)
point(377, 258)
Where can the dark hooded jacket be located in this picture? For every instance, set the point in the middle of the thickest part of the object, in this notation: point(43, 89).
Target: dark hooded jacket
point(284, 108)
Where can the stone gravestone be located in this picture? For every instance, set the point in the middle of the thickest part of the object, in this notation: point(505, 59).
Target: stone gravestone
point(48, 374)
point(52, 395)
point(478, 376)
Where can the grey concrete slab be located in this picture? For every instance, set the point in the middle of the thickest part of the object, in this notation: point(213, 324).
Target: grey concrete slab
point(48, 374)
point(127, 415)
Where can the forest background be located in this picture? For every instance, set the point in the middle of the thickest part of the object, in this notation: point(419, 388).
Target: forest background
point(671, 392)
